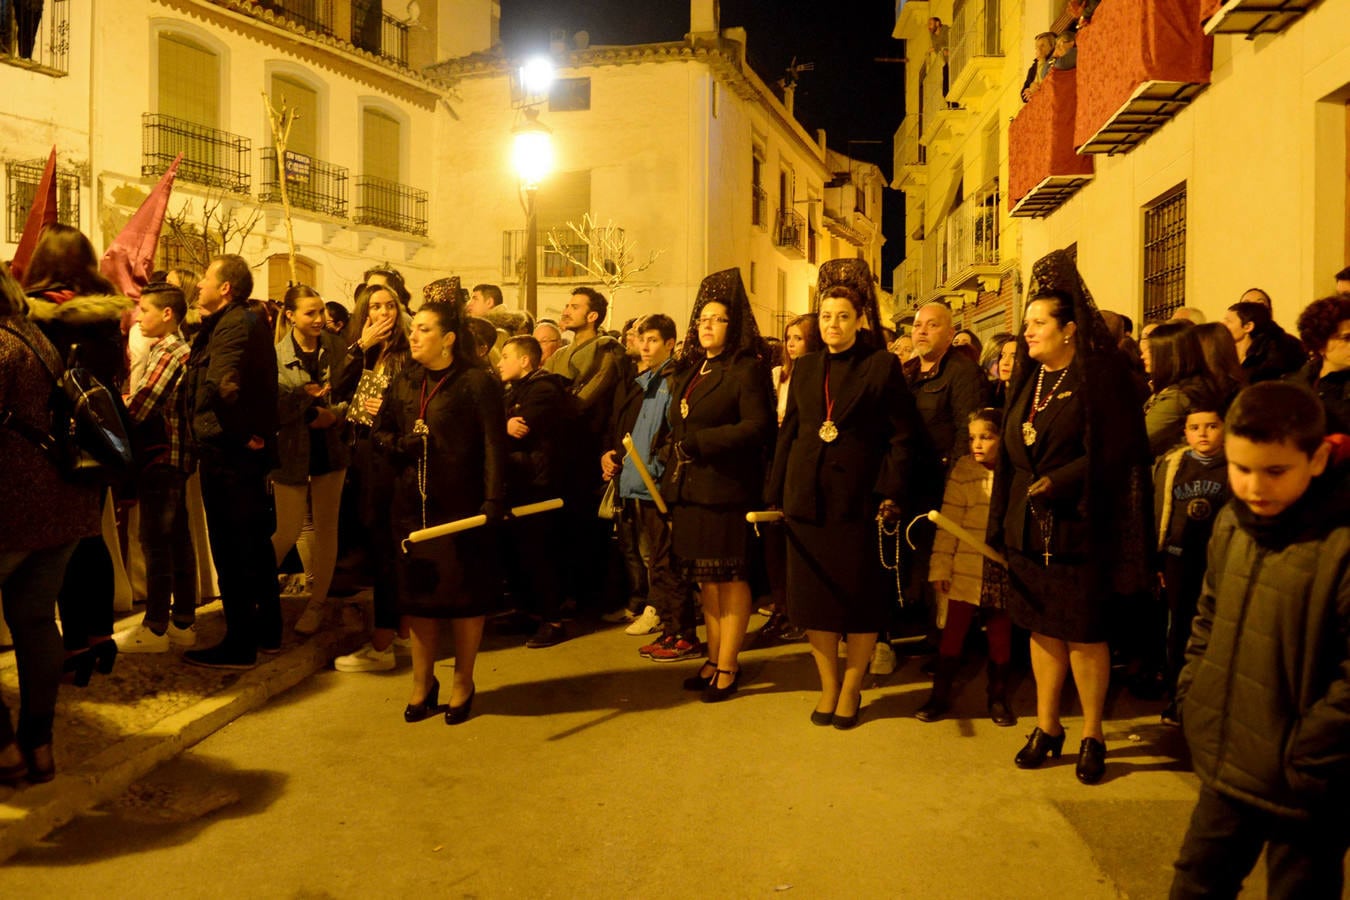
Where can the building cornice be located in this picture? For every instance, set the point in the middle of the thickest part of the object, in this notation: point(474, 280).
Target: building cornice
point(325, 51)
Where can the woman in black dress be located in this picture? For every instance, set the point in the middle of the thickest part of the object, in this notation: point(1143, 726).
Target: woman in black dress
point(721, 423)
point(850, 445)
point(1070, 503)
point(443, 426)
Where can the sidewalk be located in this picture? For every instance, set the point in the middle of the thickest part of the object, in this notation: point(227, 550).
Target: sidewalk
point(148, 710)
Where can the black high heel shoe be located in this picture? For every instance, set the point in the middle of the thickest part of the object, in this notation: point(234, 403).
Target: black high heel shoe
point(416, 712)
point(13, 775)
point(81, 665)
point(457, 715)
point(105, 654)
point(1039, 745)
point(1091, 761)
point(697, 682)
point(714, 694)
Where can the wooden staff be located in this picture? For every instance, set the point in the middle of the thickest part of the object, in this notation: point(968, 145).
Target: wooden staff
point(966, 537)
point(764, 516)
point(644, 474)
point(478, 521)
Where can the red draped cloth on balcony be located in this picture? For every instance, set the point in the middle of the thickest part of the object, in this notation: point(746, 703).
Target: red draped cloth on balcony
point(1209, 8)
point(1129, 43)
point(1040, 139)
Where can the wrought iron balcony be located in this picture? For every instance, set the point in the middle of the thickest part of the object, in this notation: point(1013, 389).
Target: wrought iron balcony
point(909, 156)
point(315, 15)
point(977, 49)
point(23, 178)
point(388, 40)
point(311, 184)
point(211, 157)
point(973, 232)
point(789, 232)
point(388, 204)
point(43, 46)
point(577, 260)
point(759, 206)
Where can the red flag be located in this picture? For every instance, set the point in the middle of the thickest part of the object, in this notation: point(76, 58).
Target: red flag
point(41, 214)
point(131, 257)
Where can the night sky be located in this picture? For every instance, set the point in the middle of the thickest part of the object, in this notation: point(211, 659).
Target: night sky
point(852, 97)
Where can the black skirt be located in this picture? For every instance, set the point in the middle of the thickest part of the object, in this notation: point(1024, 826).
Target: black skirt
point(1059, 600)
point(834, 577)
point(453, 577)
point(711, 544)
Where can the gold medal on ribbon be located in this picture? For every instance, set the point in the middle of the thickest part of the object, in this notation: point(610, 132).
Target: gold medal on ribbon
point(828, 432)
point(420, 427)
point(684, 409)
point(1028, 433)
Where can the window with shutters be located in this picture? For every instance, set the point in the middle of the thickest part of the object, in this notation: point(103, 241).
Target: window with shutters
point(189, 80)
point(380, 144)
point(299, 96)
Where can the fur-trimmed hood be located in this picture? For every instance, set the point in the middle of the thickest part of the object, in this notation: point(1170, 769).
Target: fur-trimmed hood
point(79, 310)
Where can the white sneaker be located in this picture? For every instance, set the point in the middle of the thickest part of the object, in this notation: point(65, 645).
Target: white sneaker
point(367, 659)
point(883, 659)
point(182, 637)
point(647, 623)
point(402, 645)
point(141, 640)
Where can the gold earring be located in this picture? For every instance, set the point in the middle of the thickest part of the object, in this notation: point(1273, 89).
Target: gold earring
point(445, 351)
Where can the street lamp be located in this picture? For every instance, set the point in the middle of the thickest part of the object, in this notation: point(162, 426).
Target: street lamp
point(532, 154)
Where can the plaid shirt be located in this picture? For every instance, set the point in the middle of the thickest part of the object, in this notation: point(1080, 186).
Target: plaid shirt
point(158, 405)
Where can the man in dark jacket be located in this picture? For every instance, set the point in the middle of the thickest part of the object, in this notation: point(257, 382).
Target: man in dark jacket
point(540, 412)
point(1267, 351)
point(1265, 693)
point(232, 390)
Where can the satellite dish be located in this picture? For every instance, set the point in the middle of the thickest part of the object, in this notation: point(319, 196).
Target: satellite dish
point(581, 40)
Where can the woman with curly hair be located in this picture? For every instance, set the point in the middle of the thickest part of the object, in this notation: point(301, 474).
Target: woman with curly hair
point(1324, 326)
point(721, 422)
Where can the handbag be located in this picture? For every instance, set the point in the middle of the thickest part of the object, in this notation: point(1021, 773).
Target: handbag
point(88, 443)
point(609, 503)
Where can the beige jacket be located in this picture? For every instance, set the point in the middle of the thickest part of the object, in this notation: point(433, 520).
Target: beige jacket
point(966, 502)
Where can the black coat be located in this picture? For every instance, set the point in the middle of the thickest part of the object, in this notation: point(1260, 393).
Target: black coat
point(726, 437)
point(1273, 354)
point(1333, 389)
point(882, 453)
point(537, 462)
point(232, 382)
point(465, 474)
point(946, 399)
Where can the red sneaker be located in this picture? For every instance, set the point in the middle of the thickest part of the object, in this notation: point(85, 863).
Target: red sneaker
point(679, 648)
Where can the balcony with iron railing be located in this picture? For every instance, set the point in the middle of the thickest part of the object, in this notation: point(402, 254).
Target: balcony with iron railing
point(45, 45)
point(575, 259)
point(910, 157)
point(211, 157)
point(311, 184)
point(972, 236)
point(313, 15)
point(977, 51)
point(1044, 169)
point(908, 284)
point(389, 40)
point(759, 206)
point(388, 204)
point(1139, 66)
point(789, 232)
point(942, 119)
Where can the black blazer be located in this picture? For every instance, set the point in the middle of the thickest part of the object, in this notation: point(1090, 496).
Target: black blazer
point(883, 451)
point(726, 437)
point(1060, 452)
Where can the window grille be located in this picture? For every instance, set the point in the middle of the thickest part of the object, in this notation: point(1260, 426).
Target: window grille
point(36, 36)
point(23, 179)
point(1165, 255)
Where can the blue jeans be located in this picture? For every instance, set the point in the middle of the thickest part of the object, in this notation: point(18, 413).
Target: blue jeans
point(170, 563)
point(29, 580)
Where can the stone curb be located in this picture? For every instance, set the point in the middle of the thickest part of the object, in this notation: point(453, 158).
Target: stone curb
point(44, 808)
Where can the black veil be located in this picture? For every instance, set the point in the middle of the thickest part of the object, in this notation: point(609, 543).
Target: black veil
point(855, 274)
point(743, 338)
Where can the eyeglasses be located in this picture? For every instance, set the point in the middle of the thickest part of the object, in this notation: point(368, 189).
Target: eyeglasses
point(713, 320)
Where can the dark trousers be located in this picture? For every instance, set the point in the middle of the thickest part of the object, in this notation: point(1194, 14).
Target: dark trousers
point(240, 520)
point(666, 590)
point(534, 562)
point(170, 563)
point(1184, 581)
point(1305, 858)
point(29, 580)
point(634, 564)
point(85, 599)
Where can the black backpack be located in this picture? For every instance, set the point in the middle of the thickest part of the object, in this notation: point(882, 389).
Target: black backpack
point(88, 443)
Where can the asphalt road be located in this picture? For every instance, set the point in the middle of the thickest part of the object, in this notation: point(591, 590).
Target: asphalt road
point(587, 772)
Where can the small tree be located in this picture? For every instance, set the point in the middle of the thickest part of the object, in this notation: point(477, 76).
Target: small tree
point(281, 121)
point(218, 228)
point(610, 259)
